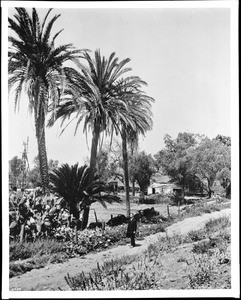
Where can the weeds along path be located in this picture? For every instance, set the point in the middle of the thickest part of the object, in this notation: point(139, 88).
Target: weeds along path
point(51, 278)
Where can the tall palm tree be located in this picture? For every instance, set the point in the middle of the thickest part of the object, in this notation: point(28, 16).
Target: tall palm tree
point(96, 94)
point(139, 121)
point(36, 66)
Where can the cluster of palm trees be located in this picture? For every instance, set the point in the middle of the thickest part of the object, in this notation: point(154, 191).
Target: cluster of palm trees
point(95, 92)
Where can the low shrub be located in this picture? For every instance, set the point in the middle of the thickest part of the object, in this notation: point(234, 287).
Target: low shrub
point(219, 223)
point(155, 199)
point(27, 250)
point(210, 254)
point(19, 251)
point(148, 200)
point(19, 267)
point(207, 210)
point(205, 268)
point(203, 247)
point(176, 199)
point(215, 207)
point(115, 275)
point(194, 236)
point(201, 271)
point(16, 269)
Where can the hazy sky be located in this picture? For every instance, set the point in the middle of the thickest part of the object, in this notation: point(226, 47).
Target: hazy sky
point(182, 53)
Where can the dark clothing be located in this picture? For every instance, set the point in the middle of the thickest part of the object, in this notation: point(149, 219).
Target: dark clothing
point(133, 243)
point(131, 231)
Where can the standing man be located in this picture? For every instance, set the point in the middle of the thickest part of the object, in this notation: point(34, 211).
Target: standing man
point(132, 228)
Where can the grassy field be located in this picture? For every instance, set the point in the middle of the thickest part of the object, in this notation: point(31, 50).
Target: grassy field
point(114, 209)
point(120, 208)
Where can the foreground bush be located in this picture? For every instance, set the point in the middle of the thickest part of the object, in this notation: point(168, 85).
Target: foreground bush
point(113, 276)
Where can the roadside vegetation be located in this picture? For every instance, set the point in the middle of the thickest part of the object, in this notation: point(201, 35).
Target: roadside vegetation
point(33, 255)
point(208, 265)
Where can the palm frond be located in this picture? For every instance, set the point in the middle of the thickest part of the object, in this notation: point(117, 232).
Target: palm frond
point(46, 35)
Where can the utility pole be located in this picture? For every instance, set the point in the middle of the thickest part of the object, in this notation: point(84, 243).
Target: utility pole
point(24, 164)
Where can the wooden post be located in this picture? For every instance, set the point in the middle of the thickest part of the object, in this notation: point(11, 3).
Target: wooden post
point(179, 208)
point(103, 227)
point(96, 220)
point(168, 212)
point(22, 232)
point(75, 234)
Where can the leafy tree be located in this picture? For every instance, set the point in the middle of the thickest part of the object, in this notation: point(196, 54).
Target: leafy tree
point(36, 66)
point(33, 176)
point(14, 169)
point(224, 176)
point(104, 167)
point(72, 183)
point(144, 169)
point(212, 161)
point(196, 161)
point(176, 159)
point(53, 164)
point(109, 162)
point(226, 140)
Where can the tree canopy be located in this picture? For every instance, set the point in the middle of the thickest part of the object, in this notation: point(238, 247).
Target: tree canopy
point(193, 160)
point(174, 160)
point(211, 161)
point(143, 169)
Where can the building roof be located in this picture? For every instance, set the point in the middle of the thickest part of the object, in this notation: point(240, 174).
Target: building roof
point(115, 179)
point(161, 185)
point(119, 182)
point(160, 178)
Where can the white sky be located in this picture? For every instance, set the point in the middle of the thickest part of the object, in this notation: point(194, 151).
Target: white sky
point(182, 53)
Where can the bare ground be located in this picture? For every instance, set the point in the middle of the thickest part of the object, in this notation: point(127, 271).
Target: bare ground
point(51, 278)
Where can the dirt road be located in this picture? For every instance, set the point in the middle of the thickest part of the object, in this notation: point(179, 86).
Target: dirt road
point(51, 278)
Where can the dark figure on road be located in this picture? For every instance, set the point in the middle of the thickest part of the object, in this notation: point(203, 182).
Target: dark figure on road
point(131, 230)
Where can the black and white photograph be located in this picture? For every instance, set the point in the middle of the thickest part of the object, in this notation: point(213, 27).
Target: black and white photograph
point(120, 141)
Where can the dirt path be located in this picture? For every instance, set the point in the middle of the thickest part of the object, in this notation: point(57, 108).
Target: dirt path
point(51, 278)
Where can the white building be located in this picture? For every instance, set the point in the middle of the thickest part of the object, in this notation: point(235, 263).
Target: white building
point(160, 184)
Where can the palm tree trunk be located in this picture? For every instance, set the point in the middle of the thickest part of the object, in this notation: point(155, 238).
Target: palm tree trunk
point(93, 153)
point(134, 146)
point(85, 218)
point(126, 172)
point(209, 188)
point(133, 187)
point(74, 211)
point(42, 153)
point(93, 156)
